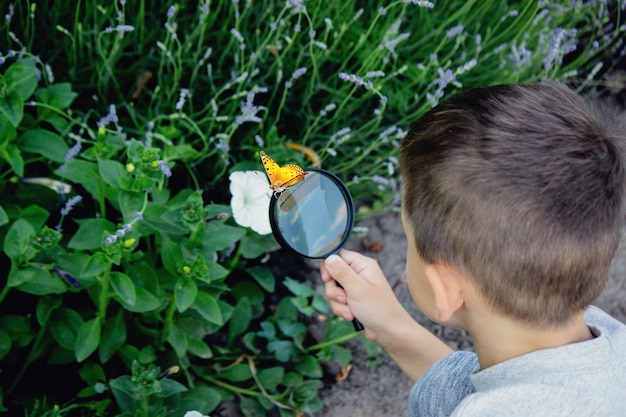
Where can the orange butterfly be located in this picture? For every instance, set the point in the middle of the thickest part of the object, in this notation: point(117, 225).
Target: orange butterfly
point(281, 177)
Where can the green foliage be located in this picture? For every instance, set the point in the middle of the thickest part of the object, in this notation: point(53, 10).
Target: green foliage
point(119, 125)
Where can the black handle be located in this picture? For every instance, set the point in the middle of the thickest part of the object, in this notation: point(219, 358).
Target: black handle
point(357, 325)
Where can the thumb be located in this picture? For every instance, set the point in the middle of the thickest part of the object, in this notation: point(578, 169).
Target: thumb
point(339, 270)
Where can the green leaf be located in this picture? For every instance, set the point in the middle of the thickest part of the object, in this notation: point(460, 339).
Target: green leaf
point(90, 234)
point(88, 339)
point(124, 390)
point(19, 328)
point(12, 107)
point(202, 398)
point(35, 215)
point(309, 366)
point(154, 218)
point(59, 96)
point(18, 276)
point(298, 288)
point(18, 239)
point(178, 339)
point(5, 343)
point(207, 306)
point(124, 287)
point(283, 350)
point(185, 152)
point(144, 302)
point(95, 265)
point(171, 256)
point(170, 387)
point(92, 373)
point(264, 277)
point(21, 77)
point(7, 131)
point(45, 306)
point(86, 174)
point(254, 245)
point(238, 373)
point(198, 348)
point(13, 156)
point(64, 325)
point(112, 172)
point(271, 377)
point(113, 336)
point(215, 270)
point(251, 291)
point(41, 282)
point(185, 292)
point(306, 391)
point(45, 143)
point(342, 355)
point(218, 236)
point(240, 320)
point(130, 203)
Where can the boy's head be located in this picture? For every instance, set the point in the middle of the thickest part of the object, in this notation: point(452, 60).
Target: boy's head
point(521, 189)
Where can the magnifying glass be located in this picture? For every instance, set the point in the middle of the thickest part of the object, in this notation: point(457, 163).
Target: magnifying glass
point(314, 217)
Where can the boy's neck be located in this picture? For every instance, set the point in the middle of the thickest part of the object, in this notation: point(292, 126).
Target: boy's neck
point(500, 338)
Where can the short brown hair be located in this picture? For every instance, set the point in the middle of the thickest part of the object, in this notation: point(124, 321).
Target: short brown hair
point(520, 187)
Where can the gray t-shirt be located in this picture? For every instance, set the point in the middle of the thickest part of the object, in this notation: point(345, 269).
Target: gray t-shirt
point(580, 379)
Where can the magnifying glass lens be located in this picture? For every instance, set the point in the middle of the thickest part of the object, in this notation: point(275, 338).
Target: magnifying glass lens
point(314, 217)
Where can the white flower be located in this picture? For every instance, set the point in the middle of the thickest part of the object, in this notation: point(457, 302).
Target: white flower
point(251, 200)
point(194, 413)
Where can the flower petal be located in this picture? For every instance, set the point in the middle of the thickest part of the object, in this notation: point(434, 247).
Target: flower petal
point(250, 201)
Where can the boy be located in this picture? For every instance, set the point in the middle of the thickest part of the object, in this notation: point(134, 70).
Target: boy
point(513, 205)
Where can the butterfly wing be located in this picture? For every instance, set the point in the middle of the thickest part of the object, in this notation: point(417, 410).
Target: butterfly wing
point(281, 177)
point(271, 169)
point(291, 174)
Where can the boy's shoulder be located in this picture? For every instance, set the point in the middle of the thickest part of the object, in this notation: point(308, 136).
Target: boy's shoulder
point(580, 379)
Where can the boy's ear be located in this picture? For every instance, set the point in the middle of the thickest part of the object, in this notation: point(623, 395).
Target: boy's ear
point(447, 289)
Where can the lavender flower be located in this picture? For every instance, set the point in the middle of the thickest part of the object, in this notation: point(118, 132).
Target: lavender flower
point(69, 205)
point(109, 118)
point(392, 38)
point(222, 144)
point(138, 216)
point(171, 12)
point(184, 94)
point(562, 41)
point(357, 80)
point(520, 56)
point(454, 31)
point(298, 6)
point(165, 169)
point(120, 29)
point(249, 111)
point(72, 153)
point(237, 35)
point(421, 3)
point(9, 16)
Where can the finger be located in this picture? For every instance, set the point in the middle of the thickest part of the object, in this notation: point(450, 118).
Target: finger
point(335, 293)
point(326, 277)
point(339, 270)
point(342, 310)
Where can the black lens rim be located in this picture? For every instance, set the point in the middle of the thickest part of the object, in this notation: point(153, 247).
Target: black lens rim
point(350, 220)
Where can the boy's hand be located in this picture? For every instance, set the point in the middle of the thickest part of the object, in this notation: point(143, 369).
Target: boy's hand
point(366, 294)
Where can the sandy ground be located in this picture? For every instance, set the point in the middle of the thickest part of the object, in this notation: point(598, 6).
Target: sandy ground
point(384, 390)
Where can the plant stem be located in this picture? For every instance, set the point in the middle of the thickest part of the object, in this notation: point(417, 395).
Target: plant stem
point(336, 341)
